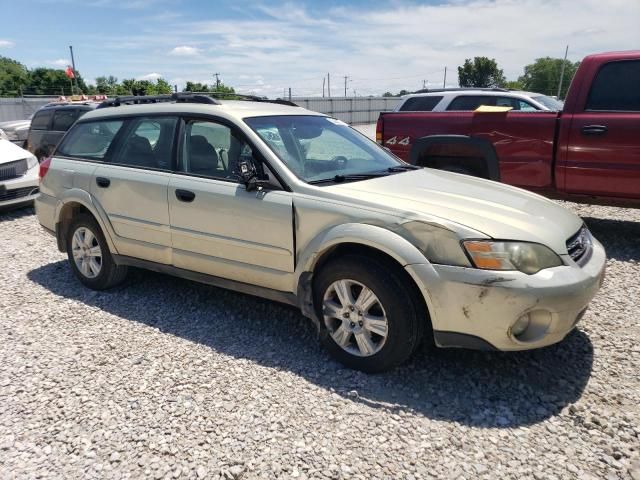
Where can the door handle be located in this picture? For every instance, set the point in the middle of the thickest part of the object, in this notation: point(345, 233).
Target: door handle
point(185, 195)
point(594, 130)
point(103, 182)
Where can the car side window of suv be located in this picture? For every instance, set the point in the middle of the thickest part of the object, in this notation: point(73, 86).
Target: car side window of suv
point(470, 102)
point(41, 120)
point(616, 88)
point(147, 143)
point(63, 119)
point(90, 140)
point(211, 149)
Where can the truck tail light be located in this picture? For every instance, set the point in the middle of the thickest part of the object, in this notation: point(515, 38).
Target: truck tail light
point(44, 167)
point(379, 130)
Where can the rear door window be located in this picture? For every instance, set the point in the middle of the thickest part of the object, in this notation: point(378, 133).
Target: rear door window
point(41, 120)
point(90, 140)
point(471, 102)
point(148, 143)
point(616, 88)
point(420, 104)
point(63, 119)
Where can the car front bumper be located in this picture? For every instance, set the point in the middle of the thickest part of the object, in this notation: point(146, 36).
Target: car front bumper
point(478, 308)
point(20, 190)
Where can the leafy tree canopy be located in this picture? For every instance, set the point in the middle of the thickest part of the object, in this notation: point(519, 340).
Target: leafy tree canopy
point(543, 76)
point(481, 72)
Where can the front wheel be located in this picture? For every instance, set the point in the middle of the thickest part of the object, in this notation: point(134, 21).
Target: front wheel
point(369, 320)
point(89, 255)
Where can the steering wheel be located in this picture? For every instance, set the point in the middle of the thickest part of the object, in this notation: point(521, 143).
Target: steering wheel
point(340, 162)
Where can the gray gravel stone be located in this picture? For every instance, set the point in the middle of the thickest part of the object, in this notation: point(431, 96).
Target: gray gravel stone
point(165, 378)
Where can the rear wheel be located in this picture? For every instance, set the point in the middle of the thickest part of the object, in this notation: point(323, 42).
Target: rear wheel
point(89, 255)
point(369, 320)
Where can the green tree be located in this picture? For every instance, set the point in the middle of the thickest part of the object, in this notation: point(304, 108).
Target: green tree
point(163, 87)
point(203, 87)
point(543, 76)
point(514, 85)
point(13, 77)
point(481, 72)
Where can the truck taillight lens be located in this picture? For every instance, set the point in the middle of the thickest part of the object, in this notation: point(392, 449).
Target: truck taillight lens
point(44, 167)
point(379, 130)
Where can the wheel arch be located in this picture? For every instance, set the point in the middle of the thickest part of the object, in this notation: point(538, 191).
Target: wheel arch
point(485, 161)
point(368, 240)
point(72, 203)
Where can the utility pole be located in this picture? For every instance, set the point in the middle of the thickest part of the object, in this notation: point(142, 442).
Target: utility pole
point(289, 93)
point(424, 84)
point(329, 85)
point(562, 71)
point(345, 85)
point(217, 75)
point(323, 80)
point(73, 65)
point(175, 88)
point(444, 82)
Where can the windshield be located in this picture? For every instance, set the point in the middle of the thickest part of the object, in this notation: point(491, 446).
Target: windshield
point(319, 149)
point(549, 102)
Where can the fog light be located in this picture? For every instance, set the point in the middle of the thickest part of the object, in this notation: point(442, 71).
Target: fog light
point(521, 325)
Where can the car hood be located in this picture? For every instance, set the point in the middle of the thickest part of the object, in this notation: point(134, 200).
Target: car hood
point(15, 125)
point(497, 210)
point(10, 152)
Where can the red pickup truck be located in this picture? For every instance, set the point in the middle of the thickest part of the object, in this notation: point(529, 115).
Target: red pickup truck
point(588, 152)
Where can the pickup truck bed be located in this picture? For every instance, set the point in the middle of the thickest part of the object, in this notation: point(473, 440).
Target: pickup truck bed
point(588, 152)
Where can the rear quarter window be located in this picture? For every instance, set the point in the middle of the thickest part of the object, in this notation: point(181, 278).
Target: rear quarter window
point(616, 87)
point(90, 140)
point(420, 104)
point(63, 119)
point(41, 120)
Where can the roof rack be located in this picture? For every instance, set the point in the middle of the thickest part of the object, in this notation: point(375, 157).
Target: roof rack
point(458, 89)
point(249, 98)
point(184, 97)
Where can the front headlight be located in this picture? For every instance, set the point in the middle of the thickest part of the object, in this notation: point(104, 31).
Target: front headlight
point(528, 258)
point(32, 161)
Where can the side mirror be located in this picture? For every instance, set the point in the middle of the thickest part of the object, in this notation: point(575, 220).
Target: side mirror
point(248, 175)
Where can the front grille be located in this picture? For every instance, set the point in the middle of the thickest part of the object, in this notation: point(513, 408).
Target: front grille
point(13, 169)
point(579, 246)
point(17, 193)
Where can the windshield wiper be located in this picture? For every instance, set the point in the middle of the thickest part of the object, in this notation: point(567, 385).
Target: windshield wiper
point(349, 178)
point(403, 168)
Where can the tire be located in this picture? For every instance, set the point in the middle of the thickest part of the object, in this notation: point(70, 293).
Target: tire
point(353, 331)
point(94, 267)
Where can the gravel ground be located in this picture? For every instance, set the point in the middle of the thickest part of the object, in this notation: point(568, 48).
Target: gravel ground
point(165, 378)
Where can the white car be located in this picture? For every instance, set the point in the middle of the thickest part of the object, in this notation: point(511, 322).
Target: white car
point(18, 175)
point(468, 99)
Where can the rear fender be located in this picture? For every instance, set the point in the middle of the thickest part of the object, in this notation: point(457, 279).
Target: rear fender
point(84, 198)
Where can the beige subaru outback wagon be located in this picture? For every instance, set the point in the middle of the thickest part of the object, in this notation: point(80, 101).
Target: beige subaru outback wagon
point(280, 202)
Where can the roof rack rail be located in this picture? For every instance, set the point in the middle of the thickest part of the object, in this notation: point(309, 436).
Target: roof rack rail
point(461, 89)
point(184, 97)
point(250, 98)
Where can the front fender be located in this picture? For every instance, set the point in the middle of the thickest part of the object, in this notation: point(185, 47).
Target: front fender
point(84, 198)
point(397, 247)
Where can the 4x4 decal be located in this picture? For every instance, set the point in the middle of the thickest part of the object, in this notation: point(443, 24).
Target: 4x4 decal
point(394, 140)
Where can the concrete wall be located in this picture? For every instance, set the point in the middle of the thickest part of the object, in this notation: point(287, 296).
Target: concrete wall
point(21, 108)
point(352, 110)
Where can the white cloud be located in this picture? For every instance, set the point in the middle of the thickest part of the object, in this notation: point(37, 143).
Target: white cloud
point(185, 51)
point(391, 47)
point(6, 44)
point(60, 62)
point(150, 76)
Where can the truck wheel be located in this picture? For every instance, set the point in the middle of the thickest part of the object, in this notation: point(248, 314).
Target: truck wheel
point(89, 255)
point(369, 321)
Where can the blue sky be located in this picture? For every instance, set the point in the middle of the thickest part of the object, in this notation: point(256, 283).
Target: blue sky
point(267, 46)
